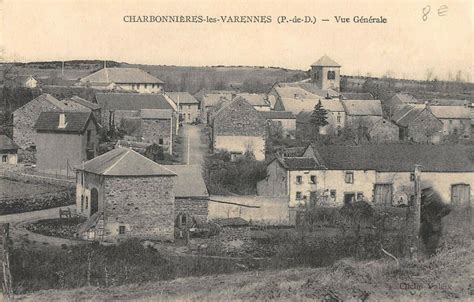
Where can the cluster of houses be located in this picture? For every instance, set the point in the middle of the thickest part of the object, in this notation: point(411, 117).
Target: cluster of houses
point(123, 193)
point(291, 105)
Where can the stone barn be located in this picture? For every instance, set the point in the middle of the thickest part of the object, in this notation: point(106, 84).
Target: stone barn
point(124, 194)
point(238, 128)
point(191, 196)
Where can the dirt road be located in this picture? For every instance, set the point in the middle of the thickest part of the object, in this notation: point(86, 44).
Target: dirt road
point(193, 150)
point(18, 221)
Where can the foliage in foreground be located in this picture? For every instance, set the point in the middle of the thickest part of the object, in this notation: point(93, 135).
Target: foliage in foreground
point(224, 177)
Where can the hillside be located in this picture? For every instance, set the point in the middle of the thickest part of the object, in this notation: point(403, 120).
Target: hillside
point(445, 276)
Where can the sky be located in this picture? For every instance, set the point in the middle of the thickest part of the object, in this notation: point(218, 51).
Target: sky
point(405, 47)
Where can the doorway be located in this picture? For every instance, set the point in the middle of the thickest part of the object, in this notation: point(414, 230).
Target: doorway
point(383, 194)
point(461, 194)
point(94, 201)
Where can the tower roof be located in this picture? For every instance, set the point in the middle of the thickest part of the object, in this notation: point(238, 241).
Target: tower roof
point(124, 162)
point(326, 62)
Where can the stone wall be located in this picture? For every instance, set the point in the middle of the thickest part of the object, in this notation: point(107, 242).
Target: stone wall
point(383, 131)
point(38, 202)
point(425, 128)
point(154, 130)
point(239, 119)
point(144, 206)
point(24, 119)
point(193, 207)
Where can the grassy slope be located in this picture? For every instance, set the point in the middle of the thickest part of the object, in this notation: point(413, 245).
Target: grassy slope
point(445, 276)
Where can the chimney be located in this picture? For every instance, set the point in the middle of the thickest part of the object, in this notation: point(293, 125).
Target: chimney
point(62, 120)
point(427, 105)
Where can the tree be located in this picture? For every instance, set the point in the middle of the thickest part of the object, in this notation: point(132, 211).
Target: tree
point(319, 117)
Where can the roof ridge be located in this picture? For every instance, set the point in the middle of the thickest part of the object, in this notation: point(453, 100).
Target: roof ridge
point(114, 164)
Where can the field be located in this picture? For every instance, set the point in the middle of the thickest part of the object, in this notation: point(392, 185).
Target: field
point(445, 276)
point(16, 189)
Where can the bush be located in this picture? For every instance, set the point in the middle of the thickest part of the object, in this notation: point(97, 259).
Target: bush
point(224, 177)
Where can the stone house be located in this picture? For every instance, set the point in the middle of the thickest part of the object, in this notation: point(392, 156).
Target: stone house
point(392, 104)
point(24, 118)
point(117, 106)
point(325, 73)
point(456, 119)
point(156, 127)
point(259, 101)
point(64, 140)
point(210, 100)
point(418, 124)
point(187, 105)
point(238, 128)
point(381, 174)
point(383, 131)
point(79, 104)
point(123, 79)
point(362, 113)
point(336, 118)
point(190, 193)
point(8, 150)
point(124, 194)
point(285, 119)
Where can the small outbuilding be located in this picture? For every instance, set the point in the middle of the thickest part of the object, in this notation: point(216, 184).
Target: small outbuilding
point(124, 194)
point(8, 150)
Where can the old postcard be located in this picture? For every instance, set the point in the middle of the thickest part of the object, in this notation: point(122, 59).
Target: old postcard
point(236, 150)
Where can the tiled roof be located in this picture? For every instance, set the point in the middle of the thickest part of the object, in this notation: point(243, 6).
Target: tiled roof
point(45, 97)
point(189, 182)
point(7, 143)
point(124, 162)
point(298, 105)
point(303, 90)
point(132, 101)
point(277, 115)
point(397, 157)
point(212, 99)
point(156, 114)
point(406, 114)
point(299, 163)
point(452, 112)
point(81, 101)
point(326, 61)
point(405, 98)
point(182, 97)
point(363, 107)
point(121, 75)
point(76, 122)
point(255, 99)
point(449, 102)
point(357, 96)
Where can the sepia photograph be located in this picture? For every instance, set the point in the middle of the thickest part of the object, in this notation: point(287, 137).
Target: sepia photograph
point(236, 150)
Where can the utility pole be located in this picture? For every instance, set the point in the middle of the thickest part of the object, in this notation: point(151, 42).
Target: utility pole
point(416, 212)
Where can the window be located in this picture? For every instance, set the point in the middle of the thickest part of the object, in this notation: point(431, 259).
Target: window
point(82, 203)
point(412, 176)
point(333, 194)
point(160, 141)
point(299, 179)
point(88, 136)
point(133, 86)
point(349, 177)
point(331, 75)
point(87, 202)
point(4, 158)
point(299, 195)
point(312, 179)
point(146, 86)
point(339, 118)
point(121, 229)
point(138, 86)
point(360, 196)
